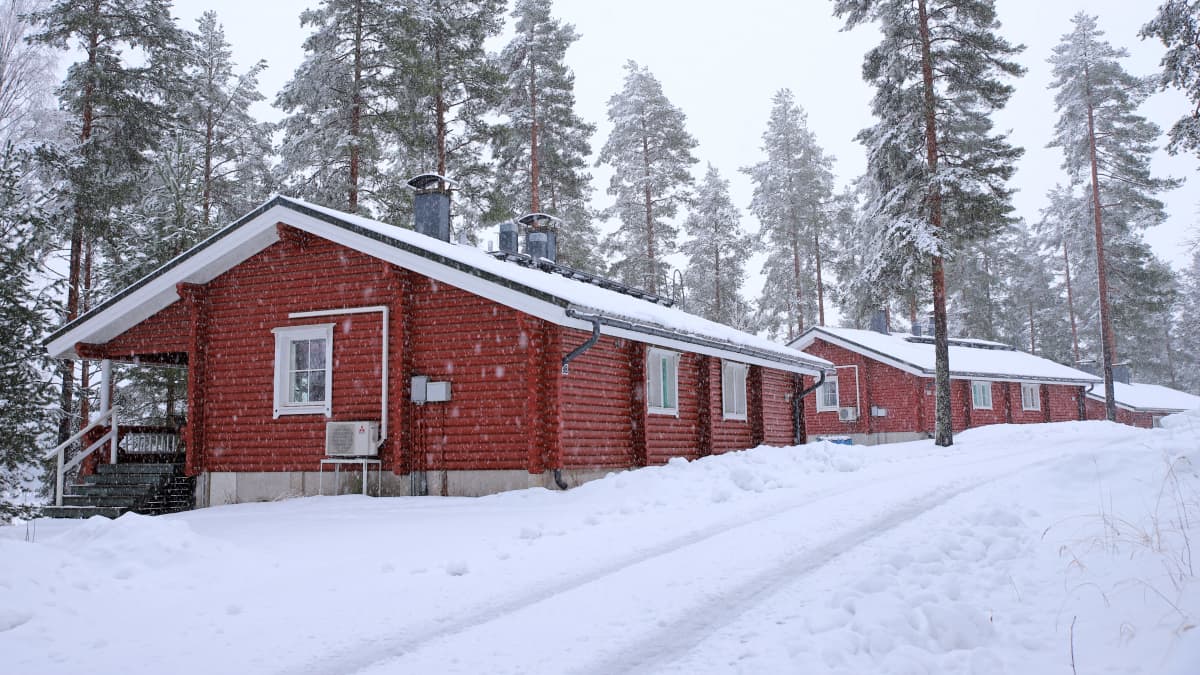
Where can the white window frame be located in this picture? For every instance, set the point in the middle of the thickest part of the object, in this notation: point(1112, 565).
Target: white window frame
point(1034, 399)
point(658, 361)
point(976, 387)
point(830, 383)
point(284, 337)
point(734, 404)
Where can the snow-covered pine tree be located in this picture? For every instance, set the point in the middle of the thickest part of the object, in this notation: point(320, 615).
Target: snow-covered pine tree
point(541, 149)
point(650, 151)
point(449, 87)
point(794, 202)
point(936, 171)
point(25, 392)
point(28, 76)
point(336, 103)
point(1186, 355)
point(117, 110)
point(1062, 237)
point(717, 254)
point(1177, 25)
point(1107, 147)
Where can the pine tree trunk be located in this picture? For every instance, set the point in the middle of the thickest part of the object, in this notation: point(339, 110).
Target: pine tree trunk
point(440, 111)
point(717, 316)
point(1032, 335)
point(1070, 302)
point(943, 433)
point(1108, 349)
point(356, 110)
point(534, 169)
point(67, 371)
point(820, 282)
point(651, 254)
point(796, 279)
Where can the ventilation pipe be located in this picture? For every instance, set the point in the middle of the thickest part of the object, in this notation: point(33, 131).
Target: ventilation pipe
point(431, 205)
point(541, 238)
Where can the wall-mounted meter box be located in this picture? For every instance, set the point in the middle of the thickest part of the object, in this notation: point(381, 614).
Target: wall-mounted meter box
point(420, 388)
point(424, 391)
point(437, 392)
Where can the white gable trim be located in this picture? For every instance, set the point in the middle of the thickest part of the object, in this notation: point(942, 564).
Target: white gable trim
point(251, 235)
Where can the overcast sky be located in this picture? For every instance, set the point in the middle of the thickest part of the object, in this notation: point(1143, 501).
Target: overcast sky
point(722, 62)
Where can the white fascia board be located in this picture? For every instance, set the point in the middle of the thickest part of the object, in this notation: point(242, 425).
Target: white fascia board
point(683, 346)
point(1099, 397)
point(156, 293)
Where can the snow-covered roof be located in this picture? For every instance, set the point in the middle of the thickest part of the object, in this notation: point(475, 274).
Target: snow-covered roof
point(554, 297)
point(969, 359)
point(1149, 397)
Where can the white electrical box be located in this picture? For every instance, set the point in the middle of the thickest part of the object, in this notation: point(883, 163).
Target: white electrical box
point(437, 392)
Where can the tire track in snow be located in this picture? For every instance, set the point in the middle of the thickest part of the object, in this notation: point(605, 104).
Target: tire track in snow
point(675, 639)
point(380, 648)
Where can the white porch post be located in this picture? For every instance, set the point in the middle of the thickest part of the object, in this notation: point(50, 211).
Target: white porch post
point(105, 385)
point(106, 407)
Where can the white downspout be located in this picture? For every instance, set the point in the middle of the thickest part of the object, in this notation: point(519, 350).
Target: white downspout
point(383, 388)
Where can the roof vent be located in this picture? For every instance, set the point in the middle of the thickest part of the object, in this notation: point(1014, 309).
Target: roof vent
point(431, 205)
point(508, 237)
point(541, 236)
point(879, 322)
point(1122, 373)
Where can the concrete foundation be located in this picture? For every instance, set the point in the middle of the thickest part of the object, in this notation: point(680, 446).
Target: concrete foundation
point(215, 488)
point(887, 437)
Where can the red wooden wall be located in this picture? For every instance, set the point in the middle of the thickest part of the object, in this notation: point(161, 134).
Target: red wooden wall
point(510, 406)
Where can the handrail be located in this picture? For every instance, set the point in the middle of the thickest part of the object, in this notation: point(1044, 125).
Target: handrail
point(79, 434)
point(111, 436)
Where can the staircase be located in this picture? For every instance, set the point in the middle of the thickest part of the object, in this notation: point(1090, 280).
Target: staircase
point(114, 489)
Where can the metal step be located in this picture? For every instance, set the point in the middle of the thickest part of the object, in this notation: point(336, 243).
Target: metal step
point(138, 468)
point(125, 478)
point(109, 490)
point(125, 502)
point(82, 511)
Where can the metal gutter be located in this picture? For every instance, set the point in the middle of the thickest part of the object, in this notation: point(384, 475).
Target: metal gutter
point(690, 338)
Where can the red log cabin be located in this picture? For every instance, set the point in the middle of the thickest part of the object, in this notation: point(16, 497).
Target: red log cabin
point(1141, 405)
point(316, 340)
point(883, 390)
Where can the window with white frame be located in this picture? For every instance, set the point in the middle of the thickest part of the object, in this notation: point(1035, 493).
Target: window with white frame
point(662, 382)
point(733, 390)
point(304, 370)
point(827, 394)
point(1031, 397)
point(981, 395)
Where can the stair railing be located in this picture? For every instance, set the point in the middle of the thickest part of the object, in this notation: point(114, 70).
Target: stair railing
point(64, 466)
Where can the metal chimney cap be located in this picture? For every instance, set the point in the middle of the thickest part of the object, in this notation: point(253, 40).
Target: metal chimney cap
point(430, 181)
point(538, 220)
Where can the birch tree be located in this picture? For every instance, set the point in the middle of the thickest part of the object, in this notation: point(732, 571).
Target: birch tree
point(936, 171)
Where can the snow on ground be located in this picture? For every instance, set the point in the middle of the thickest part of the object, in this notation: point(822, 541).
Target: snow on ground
point(1006, 553)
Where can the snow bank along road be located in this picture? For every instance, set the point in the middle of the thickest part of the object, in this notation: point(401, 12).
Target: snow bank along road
point(904, 559)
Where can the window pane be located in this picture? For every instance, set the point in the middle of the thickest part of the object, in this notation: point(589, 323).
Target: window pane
point(299, 355)
point(316, 354)
point(668, 380)
point(299, 389)
point(316, 386)
point(654, 382)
